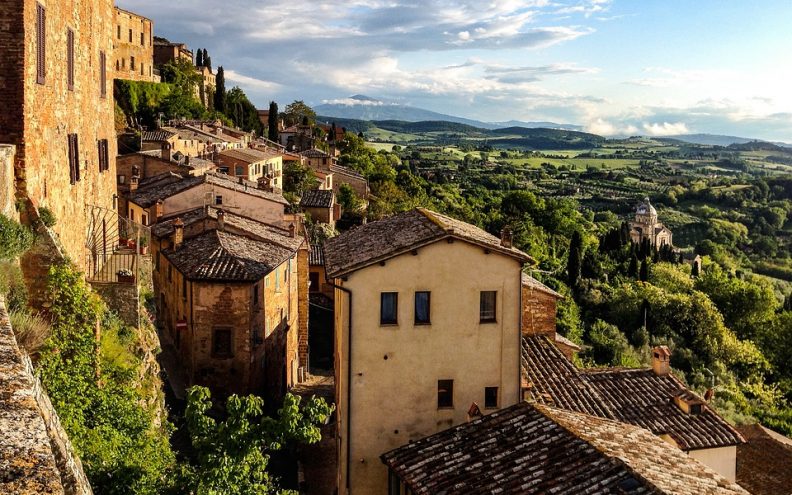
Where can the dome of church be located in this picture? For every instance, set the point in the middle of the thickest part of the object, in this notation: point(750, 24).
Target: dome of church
point(646, 208)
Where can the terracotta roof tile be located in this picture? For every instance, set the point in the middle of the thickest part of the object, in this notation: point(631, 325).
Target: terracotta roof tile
point(316, 255)
point(529, 281)
point(530, 448)
point(224, 257)
point(250, 155)
point(317, 198)
point(399, 233)
point(764, 463)
point(149, 195)
point(159, 135)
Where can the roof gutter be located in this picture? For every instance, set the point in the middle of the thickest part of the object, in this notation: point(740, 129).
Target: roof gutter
point(349, 378)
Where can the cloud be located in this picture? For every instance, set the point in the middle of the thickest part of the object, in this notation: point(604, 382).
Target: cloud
point(236, 77)
point(665, 128)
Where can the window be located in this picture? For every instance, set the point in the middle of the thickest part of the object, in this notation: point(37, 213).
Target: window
point(41, 39)
point(70, 59)
point(445, 394)
point(314, 277)
point(144, 219)
point(131, 63)
point(104, 159)
point(142, 40)
point(218, 200)
point(389, 305)
point(103, 74)
point(74, 159)
point(121, 179)
point(422, 308)
point(132, 215)
point(118, 28)
point(142, 72)
point(240, 170)
point(221, 343)
point(487, 306)
point(130, 36)
point(277, 281)
point(490, 397)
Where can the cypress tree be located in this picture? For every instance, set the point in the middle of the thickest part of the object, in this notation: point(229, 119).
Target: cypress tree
point(632, 271)
point(272, 122)
point(205, 58)
point(644, 271)
point(575, 258)
point(624, 233)
point(695, 271)
point(198, 58)
point(220, 92)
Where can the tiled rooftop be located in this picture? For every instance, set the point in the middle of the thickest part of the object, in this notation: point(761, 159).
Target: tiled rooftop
point(636, 396)
point(159, 135)
point(342, 170)
point(531, 448)
point(764, 462)
point(314, 153)
point(250, 155)
point(234, 222)
point(317, 198)
point(149, 195)
point(529, 281)
point(217, 256)
point(400, 233)
point(316, 255)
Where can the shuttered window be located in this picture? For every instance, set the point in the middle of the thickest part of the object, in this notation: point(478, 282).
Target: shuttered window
point(74, 159)
point(41, 38)
point(104, 163)
point(70, 59)
point(103, 74)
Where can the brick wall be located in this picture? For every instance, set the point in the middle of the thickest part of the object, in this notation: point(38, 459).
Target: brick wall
point(302, 295)
point(539, 312)
point(125, 49)
point(37, 118)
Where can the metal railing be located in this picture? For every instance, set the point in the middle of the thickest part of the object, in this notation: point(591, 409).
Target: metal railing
point(114, 245)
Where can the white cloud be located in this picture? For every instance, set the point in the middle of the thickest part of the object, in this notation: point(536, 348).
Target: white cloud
point(665, 128)
point(234, 76)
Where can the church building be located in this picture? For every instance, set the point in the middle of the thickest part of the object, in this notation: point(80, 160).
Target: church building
point(646, 226)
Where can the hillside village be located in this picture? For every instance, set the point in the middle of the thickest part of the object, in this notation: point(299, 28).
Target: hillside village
point(253, 255)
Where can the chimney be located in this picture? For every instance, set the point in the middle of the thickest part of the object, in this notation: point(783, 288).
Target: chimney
point(506, 237)
point(187, 159)
point(133, 183)
point(157, 212)
point(292, 230)
point(178, 233)
point(165, 151)
point(220, 220)
point(661, 360)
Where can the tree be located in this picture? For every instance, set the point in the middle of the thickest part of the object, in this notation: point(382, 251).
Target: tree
point(199, 58)
point(298, 178)
point(231, 456)
point(272, 122)
point(220, 91)
point(348, 199)
point(644, 275)
point(206, 60)
point(575, 258)
point(296, 111)
point(632, 270)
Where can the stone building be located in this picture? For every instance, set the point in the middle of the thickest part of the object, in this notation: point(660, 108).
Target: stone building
point(227, 291)
point(256, 165)
point(206, 87)
point(170, 193)
point(427, 324)
point(133, 47)
point(320, 204)
point(166, 51)
point(646, 226)
point(57, 109)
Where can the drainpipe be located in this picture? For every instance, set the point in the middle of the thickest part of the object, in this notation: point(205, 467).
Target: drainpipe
point(349, 377)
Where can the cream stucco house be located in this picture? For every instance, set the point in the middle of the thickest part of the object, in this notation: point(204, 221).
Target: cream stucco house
point(427, 333)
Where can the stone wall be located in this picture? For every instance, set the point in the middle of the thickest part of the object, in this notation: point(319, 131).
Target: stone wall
point(122, 299)
point(539, 312)
point(133, 40)
point(35, 453)
point(36, 262)
point(7, 190)
point(302, 297)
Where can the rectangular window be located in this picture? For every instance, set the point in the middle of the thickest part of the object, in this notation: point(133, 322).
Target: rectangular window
point(103, 74)
point(131, 63)
point(277, 281)
point(144, 219)
point(130, 36)
point(221, 343)
point(422, 300)
point(240, 170)
point(74, 159)
point(142, 40)
point(490, 397)
point(70, 59)
point(118, 28)
point(41, 39)
point(104, 158)
point(487, 306)
point(445, 394)
point(389, 305)
point(218, 200)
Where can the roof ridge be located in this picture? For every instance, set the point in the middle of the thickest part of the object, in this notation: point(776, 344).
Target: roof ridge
point(432, 217)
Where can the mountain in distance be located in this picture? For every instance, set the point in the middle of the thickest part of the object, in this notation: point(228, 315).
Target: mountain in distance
point(719, 140)
point(362, 107)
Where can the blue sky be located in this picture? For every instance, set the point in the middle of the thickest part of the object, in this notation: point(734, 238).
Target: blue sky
point(656, 67)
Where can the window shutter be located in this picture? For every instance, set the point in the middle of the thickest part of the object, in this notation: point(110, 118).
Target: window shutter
point(41, 18)
point(76, 158)
point(71, 159)
point(70, 59)
point(103, 74)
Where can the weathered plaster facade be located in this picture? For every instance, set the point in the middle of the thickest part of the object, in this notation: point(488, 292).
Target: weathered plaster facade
point(395, 369)
point(133, 43)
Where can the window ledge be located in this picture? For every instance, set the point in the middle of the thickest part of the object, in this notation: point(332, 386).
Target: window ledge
point(389, 324)
point(422, 324)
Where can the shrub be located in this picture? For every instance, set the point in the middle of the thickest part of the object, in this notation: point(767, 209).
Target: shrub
point(15, 239)
point(30, 330)
point(46, 216)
